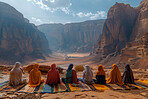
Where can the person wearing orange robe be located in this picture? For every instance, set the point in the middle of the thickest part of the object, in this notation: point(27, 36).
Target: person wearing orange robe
point(35, 76)
point(100, 76)
point(53, 76)
point(115, 76)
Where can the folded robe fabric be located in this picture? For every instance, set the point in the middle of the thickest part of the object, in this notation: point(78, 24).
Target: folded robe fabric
point(53, 76)
point(115, 76)
point(87, 74)
point(35, 76)
point(15, 77)
point(128, 75)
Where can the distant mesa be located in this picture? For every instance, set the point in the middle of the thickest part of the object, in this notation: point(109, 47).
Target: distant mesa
point(73, 37)
point(19, 40)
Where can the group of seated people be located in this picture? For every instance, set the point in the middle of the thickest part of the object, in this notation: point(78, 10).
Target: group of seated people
point(53, 76)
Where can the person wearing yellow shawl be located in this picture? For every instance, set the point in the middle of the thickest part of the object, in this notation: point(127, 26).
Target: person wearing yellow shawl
point(100, 76)
point(35, 76)
point(115, 76)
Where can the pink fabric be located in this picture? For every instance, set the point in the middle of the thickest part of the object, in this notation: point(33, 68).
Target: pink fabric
point(74, 75)
point(53, 76)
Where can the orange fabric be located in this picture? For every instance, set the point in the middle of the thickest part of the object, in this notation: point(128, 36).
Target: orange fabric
point(53, 76)
point(115, 76)
point(100, 70)
point(35, 76)
point(74, 77)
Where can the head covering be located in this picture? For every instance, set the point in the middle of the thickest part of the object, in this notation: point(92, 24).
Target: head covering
point(127, 67)
point(35, 76)
point(128, 75)
point(53, 67)
point(100, 70)
point(15, 77)
point(115, 76)
point(87, 74)
point(70, 67)
point(53, 76)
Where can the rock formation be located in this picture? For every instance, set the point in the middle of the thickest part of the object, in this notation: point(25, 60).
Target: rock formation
point(117, 28)
point(19, 39)
point(125, 33)
point(136, 52)
point(141, 23)
point(73, 37)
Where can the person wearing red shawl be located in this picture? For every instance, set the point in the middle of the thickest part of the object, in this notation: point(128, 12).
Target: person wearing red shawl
point(71, 76)
point(53, 76)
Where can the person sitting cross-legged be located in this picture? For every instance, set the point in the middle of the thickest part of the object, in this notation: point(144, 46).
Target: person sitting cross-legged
point(35, 76)
point(87, 75)
point(115, 76)
point(53, 76)
point(71, 76)
point(15, 77)
point(100, 76)
point(128, 77)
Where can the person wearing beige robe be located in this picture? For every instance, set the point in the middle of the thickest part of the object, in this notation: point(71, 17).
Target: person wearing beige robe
point(15, 77)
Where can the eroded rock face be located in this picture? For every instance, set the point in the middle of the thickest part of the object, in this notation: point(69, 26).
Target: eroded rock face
point(141, 25)
point(117, 28)
point(123, 24)
point(136, 52)
point(18, 38)
point(73, 37)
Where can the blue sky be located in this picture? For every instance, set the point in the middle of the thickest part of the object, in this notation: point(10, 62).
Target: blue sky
point(65, 11)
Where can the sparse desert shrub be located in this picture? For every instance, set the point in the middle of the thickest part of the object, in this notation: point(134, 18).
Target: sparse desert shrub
point(79, 68)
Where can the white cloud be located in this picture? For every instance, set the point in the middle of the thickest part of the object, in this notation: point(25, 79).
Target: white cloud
point(66, 10)
point(99, 14)
point(92, 16)
point(36, 20)
point(81, 14)
point(53, 5)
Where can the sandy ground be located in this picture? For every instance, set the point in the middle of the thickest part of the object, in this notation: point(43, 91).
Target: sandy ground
point(84, 58)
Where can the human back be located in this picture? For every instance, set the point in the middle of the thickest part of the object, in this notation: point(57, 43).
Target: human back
point(15, 77)
point(53, 76)
point(115, 76)
point(35, 76)
point(87, 74)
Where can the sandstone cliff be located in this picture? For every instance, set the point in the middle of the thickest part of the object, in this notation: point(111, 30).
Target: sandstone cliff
point(136, 52)
point(117, 28)
point(73, 37)
point(124, 34)
point(141, 22)
point(53, 33)
point(123, 24)
point(19, 39)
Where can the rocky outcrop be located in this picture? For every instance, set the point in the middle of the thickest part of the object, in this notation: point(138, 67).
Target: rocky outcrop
point(19, 39)
point(136, 52)
point(141, 22)
point(123, 24)
point(117, 28)
point(73, 37)
point(125, 35)
point(43, 68)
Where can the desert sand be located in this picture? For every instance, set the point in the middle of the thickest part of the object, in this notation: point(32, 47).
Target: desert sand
point(77, 59)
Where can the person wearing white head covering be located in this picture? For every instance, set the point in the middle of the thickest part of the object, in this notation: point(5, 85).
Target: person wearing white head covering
point(87, 75)
point(15, 77)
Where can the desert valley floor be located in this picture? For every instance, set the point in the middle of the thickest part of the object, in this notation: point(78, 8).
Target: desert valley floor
point(81, 58)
